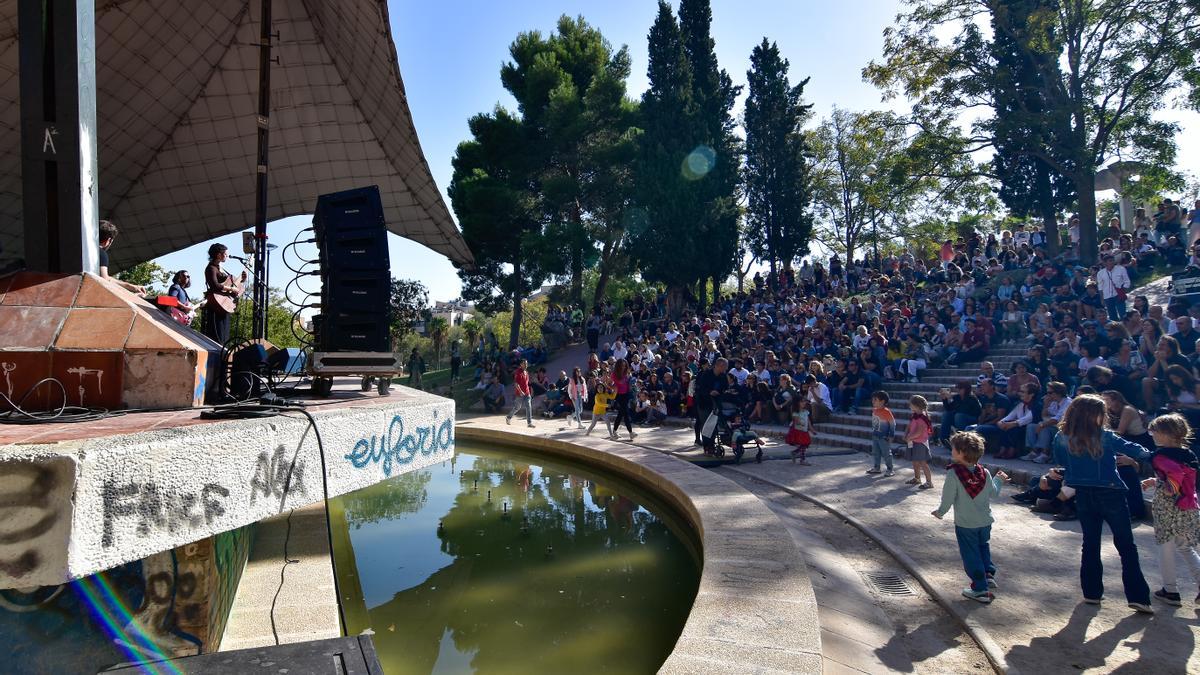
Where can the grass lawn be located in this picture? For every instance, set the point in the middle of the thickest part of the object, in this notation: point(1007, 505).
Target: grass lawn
point(436, 381)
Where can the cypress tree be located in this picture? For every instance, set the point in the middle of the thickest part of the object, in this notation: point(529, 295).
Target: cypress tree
point(779, 224)
point(715, 161)
point(666, 242)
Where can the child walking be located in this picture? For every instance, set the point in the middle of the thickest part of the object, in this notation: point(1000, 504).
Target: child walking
point(800, 434)
point(968, 488)
point(600, 401)
point(1176, 518)
point(916, 437)
point(883, 428)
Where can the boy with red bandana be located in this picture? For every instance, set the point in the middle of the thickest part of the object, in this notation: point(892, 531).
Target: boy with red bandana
point(968, 488)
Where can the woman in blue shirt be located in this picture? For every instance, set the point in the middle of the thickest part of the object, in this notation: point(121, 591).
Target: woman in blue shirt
point(1090, 454)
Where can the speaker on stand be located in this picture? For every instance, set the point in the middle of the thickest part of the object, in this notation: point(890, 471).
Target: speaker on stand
point(355, 289)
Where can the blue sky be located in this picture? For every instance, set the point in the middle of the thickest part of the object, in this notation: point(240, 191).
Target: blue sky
point(451, 51)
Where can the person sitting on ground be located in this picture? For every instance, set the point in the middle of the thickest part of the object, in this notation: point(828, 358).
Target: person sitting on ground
point(1154, 385)
point(1183, 392)
point(819, 404)
point(1020, 377)
point(541, 383)
point(781, 401)
point(988, 372)
point(1047, 494)
point(493, 397)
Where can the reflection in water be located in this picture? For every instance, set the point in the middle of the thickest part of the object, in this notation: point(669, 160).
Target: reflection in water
point(493, 564)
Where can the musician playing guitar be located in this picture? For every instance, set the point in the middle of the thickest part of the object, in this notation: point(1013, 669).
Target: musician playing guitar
point(222, 294)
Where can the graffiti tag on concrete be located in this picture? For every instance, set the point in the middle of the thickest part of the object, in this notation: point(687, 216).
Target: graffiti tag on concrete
point(274, 476)
point(157, 509)
point(395, 448)
point(31, 505)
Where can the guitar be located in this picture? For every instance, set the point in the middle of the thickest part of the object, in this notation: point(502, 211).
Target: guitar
point(226, 300)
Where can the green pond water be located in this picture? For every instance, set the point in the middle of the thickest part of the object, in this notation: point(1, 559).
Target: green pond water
point(562, 570)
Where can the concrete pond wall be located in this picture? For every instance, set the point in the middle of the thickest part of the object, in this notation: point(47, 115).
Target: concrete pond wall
point(164, 517)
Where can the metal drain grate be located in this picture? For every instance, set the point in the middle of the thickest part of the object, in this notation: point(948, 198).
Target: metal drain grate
point(889, 584)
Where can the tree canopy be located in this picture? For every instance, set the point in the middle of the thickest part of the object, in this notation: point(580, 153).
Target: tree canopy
point(1121, 62)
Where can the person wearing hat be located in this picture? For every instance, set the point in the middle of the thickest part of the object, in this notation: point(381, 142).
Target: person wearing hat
point(1114, 284)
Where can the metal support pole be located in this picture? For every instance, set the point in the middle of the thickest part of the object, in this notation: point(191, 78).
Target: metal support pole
point(59, 191)
point(259, 324)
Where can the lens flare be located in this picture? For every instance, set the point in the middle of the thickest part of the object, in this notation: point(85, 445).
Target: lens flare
point(116, 620)
point(699, 162)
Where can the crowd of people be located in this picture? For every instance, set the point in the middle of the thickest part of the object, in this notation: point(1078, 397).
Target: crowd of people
point(807, 344)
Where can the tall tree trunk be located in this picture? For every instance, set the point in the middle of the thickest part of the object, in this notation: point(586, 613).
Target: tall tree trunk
point(716, 298)
point(576, 275)
point(1085, 187)
point(514, 333)
point(601, 285)
point(675, 302)
point(701, 296)
point(1045, 194)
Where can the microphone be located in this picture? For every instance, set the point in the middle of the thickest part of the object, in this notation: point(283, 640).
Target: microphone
point(240, 259)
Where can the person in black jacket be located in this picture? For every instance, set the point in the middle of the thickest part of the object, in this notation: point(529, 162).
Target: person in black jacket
point(710, 385)
point(961, 410)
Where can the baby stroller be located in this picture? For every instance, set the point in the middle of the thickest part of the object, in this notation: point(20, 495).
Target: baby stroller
point(742, 436)
point(726, 434)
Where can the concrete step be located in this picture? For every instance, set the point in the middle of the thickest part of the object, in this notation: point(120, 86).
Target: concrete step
point(902, 417)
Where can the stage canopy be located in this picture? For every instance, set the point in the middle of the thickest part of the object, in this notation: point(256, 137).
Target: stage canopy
point(177, 102)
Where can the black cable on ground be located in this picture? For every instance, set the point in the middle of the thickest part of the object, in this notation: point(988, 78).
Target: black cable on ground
point(63, 414)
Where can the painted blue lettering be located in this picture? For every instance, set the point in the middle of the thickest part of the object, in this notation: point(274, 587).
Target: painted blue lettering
point(395, 448)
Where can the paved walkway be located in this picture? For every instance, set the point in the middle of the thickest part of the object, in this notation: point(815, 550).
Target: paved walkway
point(1037, 619)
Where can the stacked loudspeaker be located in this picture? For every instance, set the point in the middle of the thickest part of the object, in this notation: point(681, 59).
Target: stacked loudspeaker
point(355, 273)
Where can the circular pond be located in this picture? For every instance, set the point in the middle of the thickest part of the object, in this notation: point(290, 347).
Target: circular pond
point(498, 561)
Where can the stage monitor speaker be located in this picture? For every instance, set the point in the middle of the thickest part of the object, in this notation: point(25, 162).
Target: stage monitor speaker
point(248, 369)
point(357, 209)
point(287, 362)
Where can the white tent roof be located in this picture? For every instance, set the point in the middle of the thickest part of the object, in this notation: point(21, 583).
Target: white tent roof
point(177, 100)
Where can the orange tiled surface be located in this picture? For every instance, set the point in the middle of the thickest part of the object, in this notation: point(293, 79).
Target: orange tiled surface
point(39, 289)
point(95, 328)
point(82, 325)
point(29, 328)
point(19, 371)
point(94, 293)
point(92, 379)
point(148, 334)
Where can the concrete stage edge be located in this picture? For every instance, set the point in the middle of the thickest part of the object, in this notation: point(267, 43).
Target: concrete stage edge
point(74, 507)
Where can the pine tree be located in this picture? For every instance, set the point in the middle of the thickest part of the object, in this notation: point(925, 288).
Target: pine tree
point(779, 224)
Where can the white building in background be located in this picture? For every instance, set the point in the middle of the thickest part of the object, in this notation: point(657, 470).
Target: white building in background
point(454, 312)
